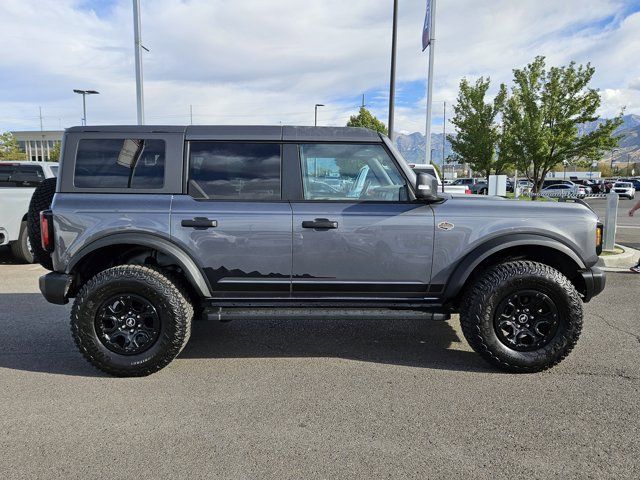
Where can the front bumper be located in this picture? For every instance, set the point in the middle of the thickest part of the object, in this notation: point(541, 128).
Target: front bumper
point(55, 287)
point(594, 281)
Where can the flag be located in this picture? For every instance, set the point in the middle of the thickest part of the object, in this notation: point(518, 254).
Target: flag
point(426, 30)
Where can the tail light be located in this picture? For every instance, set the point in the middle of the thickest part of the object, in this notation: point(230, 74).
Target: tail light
point(599, 238)
point(467, 191)
point(46, 230)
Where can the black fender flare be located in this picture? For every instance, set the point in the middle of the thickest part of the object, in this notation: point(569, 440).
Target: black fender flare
point(472, 259)
point(162, 244)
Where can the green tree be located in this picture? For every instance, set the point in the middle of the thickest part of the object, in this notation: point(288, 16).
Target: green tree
point(478, 134)
point(367, 120)
point(542, 116)
point(54, 153)
point(9, 148)
point(349, 166)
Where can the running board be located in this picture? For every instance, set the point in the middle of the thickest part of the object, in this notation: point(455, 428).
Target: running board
point(226, 314)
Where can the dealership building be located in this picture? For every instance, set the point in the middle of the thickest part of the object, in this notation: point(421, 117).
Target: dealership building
point(37, 144)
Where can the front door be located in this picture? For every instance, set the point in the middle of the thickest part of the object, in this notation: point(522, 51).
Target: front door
point(356, 234)
point(233, 220)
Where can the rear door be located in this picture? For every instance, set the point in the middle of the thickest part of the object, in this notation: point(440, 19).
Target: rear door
point(233, 219)
point(356, 232)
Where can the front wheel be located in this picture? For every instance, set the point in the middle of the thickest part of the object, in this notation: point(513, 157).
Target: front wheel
point(131, 320)
point(522, 316)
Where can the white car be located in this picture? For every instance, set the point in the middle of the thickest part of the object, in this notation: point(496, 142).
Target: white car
point(18, 180)
point(563, 190)
point(624, 189)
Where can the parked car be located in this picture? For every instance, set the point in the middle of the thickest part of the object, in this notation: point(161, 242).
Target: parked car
point(151, 224)
point(18, 180)
point(587, 184)
point(554, 181)
point(479, 188)
point(624, 189)
point(634, 181)
point(563, 190)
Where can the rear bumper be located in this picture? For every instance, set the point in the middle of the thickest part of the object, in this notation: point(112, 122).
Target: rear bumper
point(594, 281)
point(55, 287)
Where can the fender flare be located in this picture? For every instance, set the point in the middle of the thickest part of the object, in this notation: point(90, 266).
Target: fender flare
point(472, 259)
point(162, 244)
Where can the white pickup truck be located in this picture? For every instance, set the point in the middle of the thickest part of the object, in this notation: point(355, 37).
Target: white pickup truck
point(18, 180)
point(428, 168)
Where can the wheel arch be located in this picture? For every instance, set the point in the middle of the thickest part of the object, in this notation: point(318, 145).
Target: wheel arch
point(116, 244)
point(534, 247)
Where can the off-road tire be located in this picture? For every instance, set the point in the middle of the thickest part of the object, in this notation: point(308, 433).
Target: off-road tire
point(40, 200)
point(20, 248)
point(479, 305)
point(170, 300)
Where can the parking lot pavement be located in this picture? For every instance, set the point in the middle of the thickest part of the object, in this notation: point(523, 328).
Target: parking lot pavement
point(317, 398)
point(628, 231)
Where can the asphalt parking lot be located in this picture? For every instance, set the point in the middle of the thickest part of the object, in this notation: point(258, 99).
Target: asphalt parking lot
point(317, 398)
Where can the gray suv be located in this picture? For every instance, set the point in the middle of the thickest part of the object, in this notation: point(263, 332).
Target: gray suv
point(152, 226)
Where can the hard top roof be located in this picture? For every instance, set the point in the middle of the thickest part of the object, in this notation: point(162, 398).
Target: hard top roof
point(245, 132)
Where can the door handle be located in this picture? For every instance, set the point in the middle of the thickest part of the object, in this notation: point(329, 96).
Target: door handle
point(320, 223)
point(199, 223)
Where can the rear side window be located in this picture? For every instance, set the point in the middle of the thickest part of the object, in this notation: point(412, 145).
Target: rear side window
point(120, 163)
point(21, 176)
point(6, 171)
point(234, 171)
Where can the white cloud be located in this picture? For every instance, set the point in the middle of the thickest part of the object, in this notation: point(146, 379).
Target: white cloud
point(251, 61)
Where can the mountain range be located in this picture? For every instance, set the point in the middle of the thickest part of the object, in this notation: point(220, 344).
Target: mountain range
point(412, 145)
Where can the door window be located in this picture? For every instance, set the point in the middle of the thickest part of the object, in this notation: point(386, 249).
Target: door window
point(350, 172)
point(234, 171)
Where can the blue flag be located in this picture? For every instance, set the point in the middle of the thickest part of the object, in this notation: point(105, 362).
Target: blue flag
point(426, 30)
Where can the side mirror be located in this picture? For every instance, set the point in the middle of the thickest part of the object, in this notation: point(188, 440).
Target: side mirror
point(426, 187)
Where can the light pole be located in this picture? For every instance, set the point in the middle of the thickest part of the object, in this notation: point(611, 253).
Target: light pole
point(84, 94)
point(613, 150)
point(392, 82)
point(564, 164)
point(315, 122)
point(137, 40)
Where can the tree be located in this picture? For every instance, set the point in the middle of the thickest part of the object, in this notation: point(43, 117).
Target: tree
point(9, 148)
point(478, 134)
point(54, 153)
point(367, 120)
point(542, 116)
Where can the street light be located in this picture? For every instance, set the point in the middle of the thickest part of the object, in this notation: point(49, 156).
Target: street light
point(613, 150)
point(315, 123)
point(84, 93)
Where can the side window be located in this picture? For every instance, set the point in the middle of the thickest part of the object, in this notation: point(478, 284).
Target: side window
point(351, 173)
point(120, 163)
point(22, 176)
point(6, 172)
point(234, 171)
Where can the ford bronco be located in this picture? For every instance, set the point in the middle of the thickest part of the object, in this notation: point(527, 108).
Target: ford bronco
point(151, 226)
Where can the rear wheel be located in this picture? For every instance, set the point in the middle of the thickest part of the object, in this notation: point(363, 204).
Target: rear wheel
point(131, 320)
point(21, 248)
point(522, 316)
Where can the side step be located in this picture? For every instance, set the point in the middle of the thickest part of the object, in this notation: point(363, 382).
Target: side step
point(226, 314)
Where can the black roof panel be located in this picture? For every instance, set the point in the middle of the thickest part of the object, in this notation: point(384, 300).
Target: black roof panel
point(245, 132)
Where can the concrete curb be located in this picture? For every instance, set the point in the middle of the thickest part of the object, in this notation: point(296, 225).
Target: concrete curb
point(624, 260)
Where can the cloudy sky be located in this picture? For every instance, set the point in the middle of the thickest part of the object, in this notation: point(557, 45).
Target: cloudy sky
point(269, 62)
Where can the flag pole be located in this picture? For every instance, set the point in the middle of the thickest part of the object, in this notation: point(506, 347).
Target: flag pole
point(432, 42)
point(392, 83)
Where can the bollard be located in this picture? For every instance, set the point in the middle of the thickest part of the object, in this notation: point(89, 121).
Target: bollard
point(610, 220)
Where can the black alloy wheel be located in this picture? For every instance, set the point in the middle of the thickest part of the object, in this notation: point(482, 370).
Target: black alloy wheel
point(526, 320)
point(127, 324)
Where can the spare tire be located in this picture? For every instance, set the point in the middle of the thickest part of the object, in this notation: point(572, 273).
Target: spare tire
point(41, 200)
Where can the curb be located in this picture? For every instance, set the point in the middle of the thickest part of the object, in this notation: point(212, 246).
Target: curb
point(624, 260)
